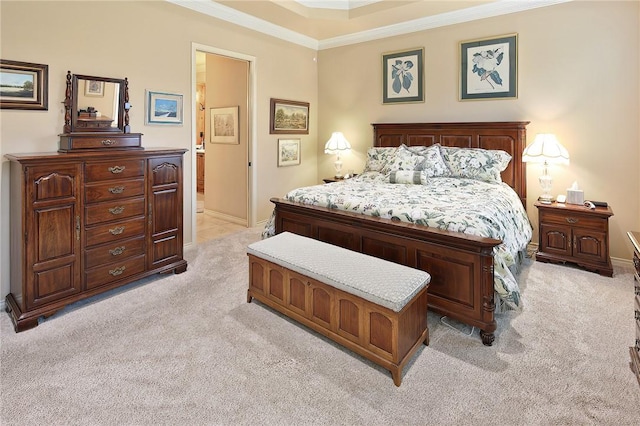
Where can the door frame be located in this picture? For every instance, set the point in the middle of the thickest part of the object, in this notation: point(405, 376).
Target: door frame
point(252, 124)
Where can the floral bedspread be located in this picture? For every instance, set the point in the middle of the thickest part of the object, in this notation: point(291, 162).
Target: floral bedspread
point(464, 205)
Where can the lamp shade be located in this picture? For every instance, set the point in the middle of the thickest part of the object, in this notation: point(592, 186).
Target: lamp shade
point(336, 144)
point(546, 148)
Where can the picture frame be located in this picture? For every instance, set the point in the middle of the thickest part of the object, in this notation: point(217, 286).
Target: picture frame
point(224, 125)
point(289, 117)
point(163, 108)
point(489, 68)
point(94, 88)
point(288, 152)
point(24, 85)
point(403, 76)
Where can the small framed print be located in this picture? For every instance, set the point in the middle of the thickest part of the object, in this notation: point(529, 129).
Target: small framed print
point(289, 117)
point(288, 152)
point(224, 125)
point(403, 76)
point(163, 108)
point(93, 88)
point(489, 68)
point(24, 85)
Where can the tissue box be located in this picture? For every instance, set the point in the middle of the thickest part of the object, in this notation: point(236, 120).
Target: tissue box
point(575, 196)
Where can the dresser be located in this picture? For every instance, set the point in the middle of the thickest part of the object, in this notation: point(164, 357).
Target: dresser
point(575, 234)
point(83, 222)
point(635, 349)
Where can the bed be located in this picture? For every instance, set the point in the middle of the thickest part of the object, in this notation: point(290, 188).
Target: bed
point(471, 247)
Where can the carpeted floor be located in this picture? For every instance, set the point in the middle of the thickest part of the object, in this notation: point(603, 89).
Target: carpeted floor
point(188, 349)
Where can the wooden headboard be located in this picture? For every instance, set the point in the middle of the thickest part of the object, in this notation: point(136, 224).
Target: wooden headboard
point(508, 136)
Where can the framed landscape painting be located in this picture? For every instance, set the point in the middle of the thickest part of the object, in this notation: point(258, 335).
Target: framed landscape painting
point(289, 117)
point(288, 152)
point(489, 68)
point(24, 85)
point(163, 108)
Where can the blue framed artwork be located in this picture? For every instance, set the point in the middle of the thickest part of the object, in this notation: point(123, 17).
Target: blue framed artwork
point(403, 76)
point(489, 68)
point(163, 108)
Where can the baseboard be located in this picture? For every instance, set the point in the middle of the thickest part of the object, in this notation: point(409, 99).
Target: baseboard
point(226, 217)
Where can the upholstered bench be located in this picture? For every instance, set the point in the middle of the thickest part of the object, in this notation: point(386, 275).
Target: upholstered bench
point(371, 306)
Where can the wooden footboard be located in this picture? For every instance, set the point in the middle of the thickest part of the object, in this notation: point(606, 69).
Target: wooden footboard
point(460, 265)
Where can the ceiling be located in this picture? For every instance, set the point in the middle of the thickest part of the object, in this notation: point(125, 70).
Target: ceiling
point(323, 24)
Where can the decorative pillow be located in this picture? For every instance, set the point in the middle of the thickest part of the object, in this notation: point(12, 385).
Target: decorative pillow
point(475, 163)
point(378, 157)
point(406, 177)
point(403, 160)
point(433, 165)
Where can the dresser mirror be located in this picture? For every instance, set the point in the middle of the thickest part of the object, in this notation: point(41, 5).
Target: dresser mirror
point(96, 104)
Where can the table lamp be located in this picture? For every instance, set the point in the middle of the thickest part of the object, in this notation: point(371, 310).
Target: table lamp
point(546, 149)
point(337, 144)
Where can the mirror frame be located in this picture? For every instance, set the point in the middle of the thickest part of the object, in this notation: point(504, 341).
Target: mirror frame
point(71, 105)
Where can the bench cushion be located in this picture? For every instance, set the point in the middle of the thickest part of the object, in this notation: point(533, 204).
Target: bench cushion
point(379, 281)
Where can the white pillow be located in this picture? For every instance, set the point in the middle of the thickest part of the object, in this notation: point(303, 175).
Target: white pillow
point(476, 163)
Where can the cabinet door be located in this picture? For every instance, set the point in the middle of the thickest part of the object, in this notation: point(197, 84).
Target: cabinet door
point(590, 245)
point(52, 237)
point(165, 210)
point(555, 239)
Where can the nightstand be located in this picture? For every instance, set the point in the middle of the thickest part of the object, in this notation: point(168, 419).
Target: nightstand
point(331, 179)
point(576, 234)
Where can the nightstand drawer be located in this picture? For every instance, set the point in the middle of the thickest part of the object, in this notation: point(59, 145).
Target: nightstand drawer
point(574, 219)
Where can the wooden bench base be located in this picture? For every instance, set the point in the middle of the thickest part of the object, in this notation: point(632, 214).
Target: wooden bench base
point(377, 333)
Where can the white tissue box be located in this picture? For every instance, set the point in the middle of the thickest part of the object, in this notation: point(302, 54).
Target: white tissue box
point(575, 196)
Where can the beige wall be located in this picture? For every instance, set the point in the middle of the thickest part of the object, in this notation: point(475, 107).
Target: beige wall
point(150, 43)
point(578, 78)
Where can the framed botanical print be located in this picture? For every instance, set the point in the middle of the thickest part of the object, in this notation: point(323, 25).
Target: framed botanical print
point(403, 76)
point(489, 68)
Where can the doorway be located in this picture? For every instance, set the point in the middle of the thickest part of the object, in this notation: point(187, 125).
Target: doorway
point(223, 88)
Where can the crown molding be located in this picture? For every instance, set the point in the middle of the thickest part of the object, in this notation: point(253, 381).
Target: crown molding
point(498, 8)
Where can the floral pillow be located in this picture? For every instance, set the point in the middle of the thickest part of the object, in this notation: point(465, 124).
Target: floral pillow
point(378, 157)
point(476, 163)
point(433, 165)
point(403, 160)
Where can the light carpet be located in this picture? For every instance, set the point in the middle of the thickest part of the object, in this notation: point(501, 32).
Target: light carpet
point(188, 349)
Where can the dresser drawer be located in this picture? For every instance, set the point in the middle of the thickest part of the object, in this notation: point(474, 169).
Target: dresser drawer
point(113, 272)
point(113, 190)
point(114, 210)
point(116, 251)
point(114, 169)
point(101, 142)
point(115, 231)
point(574, 219)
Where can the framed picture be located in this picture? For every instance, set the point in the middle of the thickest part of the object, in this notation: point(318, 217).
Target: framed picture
point(289, 117)
point(288, 152)
point(163, 108)
point(24, 85)
point(224, 125)
point(403, 76)
point(489, 68)
point(93, 88)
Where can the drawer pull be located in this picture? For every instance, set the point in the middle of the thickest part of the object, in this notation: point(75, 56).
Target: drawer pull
point(638, 345)
point(572, 220)
point(107, 142)
point(116, 189)
point(116, 210)
point(78, 228)
point(117, 271)
point(116, 169)
point(117, 230)
point(637, 290)
point(117, 251)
